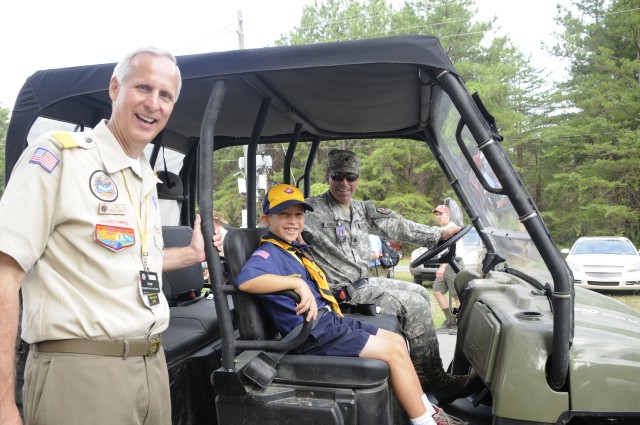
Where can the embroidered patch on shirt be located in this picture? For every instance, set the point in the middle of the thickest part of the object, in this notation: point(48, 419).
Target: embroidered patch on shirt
point(261, 253)
point(103, 187)
point(114, 238)
point(384, 211)
point(44, 158)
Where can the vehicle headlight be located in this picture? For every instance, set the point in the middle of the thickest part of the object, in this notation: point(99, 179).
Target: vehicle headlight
point(574, 266)
point(635, 267)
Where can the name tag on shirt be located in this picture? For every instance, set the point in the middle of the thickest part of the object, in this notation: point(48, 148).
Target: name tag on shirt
point(112, 209)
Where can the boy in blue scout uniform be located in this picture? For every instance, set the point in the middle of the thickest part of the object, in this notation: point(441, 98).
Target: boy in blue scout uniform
point(281, 263)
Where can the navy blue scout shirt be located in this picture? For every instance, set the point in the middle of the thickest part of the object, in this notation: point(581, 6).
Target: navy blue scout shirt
point(271, 259)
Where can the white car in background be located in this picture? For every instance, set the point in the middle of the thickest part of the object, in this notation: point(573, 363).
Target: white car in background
point(469, 248)
point(604, 263)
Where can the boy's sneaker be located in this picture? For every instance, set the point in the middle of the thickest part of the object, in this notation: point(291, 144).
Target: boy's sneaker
point(442, 418)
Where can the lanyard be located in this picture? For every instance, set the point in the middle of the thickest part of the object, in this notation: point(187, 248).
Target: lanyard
point(142, 229)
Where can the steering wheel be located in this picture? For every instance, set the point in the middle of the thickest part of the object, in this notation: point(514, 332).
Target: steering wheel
point(440, 247)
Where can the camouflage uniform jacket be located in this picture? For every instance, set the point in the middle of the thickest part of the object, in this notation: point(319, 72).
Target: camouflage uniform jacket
point(348, 260)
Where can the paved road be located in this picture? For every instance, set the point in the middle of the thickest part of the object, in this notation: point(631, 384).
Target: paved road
point(447, 347)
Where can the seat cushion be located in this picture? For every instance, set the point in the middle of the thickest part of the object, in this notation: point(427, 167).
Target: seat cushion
point(331, 371)
point(191, 327)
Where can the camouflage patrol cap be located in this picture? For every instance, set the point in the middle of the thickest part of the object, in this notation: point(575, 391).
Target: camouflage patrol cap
point(343, 161)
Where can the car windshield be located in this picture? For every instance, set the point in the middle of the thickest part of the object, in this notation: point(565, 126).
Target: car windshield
point(604, 246)
point(496, 215)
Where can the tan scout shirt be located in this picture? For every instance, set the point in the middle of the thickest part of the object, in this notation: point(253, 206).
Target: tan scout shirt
point(67, 218)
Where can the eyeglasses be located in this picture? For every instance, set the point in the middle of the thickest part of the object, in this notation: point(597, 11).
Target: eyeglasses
point(351, 177)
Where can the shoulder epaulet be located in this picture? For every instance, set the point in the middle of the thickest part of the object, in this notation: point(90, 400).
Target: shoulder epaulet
point(69, 140)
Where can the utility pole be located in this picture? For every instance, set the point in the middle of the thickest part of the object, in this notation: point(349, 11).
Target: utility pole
point(240, 31)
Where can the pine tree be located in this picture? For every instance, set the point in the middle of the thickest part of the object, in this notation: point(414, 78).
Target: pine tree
point(594, 142)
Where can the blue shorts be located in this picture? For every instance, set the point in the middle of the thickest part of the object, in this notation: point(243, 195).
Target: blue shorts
point(337, 336)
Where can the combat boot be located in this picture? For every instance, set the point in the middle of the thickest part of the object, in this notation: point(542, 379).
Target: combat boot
point(447, 388)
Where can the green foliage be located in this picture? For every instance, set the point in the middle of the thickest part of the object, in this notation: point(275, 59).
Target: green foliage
point(592, 145)
point(318, 189)
point(335, 20)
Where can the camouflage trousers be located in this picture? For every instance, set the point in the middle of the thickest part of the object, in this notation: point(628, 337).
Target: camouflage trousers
point(410, 303)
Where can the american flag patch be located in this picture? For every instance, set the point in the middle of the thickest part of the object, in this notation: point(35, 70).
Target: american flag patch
point(45, 158)
point(261, 253)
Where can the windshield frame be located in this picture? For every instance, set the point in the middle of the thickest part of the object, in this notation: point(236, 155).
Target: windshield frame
point(480, 191)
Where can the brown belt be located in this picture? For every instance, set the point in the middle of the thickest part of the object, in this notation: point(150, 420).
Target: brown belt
point(122, 349)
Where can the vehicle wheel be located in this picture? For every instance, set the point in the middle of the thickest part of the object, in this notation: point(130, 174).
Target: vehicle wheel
point(417, 280)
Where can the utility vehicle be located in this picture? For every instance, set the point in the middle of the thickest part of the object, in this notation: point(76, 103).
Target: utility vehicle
point(547, 353)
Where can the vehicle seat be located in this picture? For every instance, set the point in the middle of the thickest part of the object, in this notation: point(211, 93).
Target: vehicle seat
point(193, 322)
point(337, 384)
point(254, 324)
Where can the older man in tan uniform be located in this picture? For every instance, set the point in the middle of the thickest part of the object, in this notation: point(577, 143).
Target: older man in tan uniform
point(80, 231)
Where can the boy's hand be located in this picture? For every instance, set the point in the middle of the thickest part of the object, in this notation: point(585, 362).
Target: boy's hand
point(307, 301)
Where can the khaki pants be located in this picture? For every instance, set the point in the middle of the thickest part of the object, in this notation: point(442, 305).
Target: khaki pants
point(68, 389)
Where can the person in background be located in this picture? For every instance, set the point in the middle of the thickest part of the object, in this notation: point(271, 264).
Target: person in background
point(445, 277)
point(338, 229)
point(376, 253)
point(282, 263)
point(80, 234)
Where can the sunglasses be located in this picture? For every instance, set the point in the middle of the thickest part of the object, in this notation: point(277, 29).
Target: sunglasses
point(337, 177)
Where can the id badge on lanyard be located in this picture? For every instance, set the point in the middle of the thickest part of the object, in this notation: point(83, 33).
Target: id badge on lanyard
point(149, 288)
point(149, 285)
point(341, 233)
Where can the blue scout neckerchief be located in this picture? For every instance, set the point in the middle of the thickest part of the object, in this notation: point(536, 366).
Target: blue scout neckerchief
point(316, 273)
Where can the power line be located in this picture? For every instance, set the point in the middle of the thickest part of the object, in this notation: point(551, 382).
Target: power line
point(426, 25)
point(368, 17)
point(207, 38)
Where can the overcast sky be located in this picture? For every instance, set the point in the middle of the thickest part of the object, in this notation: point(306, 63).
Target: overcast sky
point(41, 35)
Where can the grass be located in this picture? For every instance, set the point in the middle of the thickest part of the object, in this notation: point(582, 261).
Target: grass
point(438, 315)
point(632, 299)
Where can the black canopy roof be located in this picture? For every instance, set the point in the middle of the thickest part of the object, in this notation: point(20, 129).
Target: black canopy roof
point(386, 81)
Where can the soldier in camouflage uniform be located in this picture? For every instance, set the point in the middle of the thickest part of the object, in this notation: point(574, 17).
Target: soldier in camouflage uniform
point(339, 228)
